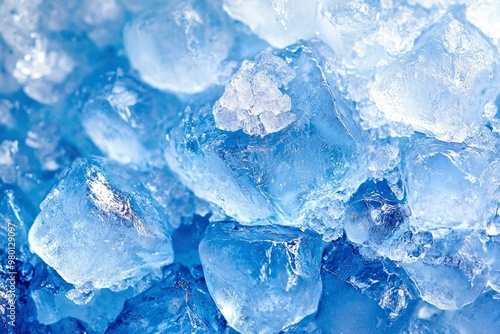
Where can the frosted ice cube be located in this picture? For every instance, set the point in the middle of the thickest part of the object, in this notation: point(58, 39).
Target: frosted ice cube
point(484, 15)
point(99, 225)
point(442, 86)
point(280, 169)
point(127, 120)
point(263, 279)
point(452, 273)
point(280, 23)
point(450, 186)
point(180, 46)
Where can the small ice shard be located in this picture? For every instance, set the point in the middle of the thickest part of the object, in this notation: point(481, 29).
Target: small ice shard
point(442, 86)
point(99, 225)
point(263, 279)
point(49, 292)
point(252, 100)
point(180, 46)
point(280, 23)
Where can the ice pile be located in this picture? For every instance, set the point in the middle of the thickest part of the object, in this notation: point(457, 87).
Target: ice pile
point(262, 166)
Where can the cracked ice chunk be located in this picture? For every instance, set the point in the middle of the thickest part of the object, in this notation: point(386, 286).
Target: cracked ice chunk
point(253, 101)
point(100, 226)
point(280, 23)
point(484, 15)
point(452, 273)
point(449, 186)
point(262, 279)
point(442, 86)
point(127, 120)
point(282, 169)
point(180, 46)
point(177, 304)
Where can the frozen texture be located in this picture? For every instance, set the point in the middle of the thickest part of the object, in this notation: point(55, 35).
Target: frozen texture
point(252, 100)
point(180, 46)
point(484, 15)
point(283, 174)
point(280, 23)
point(99, 227)
point(177, 304)
point(453, 272)
point(262, 279)
point(452, 186)
point(441, 87)
point(378, 279)
point(127, 120)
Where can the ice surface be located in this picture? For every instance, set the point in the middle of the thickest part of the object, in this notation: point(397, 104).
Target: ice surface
point(99, 226)
point(374, 214)
point(378, 279)
point(252, 100)
point(49, 292)
point(452, 273)
point(484, 15)
point(481, 316)
point(280, 23)
point(177, 304)
point(280, 170)
point(442, 85)
point(263, 279)
point(215, 183)
point(450, 186)
point(127, 120)
point(196, 38)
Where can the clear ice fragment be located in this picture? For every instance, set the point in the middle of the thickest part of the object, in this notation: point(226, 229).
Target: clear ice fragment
point(263, 279)
point(99, 225)
point(180, 46)
point(442, 86)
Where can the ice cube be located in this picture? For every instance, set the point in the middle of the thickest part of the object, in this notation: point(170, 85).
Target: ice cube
point(280, 23)
point(276, 167)
point(180, 46)
point(263, 279)
point(442, 86)
point(99, 225)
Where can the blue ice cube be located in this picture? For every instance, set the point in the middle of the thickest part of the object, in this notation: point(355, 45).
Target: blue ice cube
point(127, 120)
point(442, 85)
point(453, 271)
point(177, 304)
point(280, 24)
point(100, 227)
point(263, 279)
point(272, 145)
point(450, 185)
point(482, 316)
point(343, 309)
point(180, 46)
point(379, 279)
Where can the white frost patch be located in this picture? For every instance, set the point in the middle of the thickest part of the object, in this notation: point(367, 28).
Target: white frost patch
point(253, 101)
